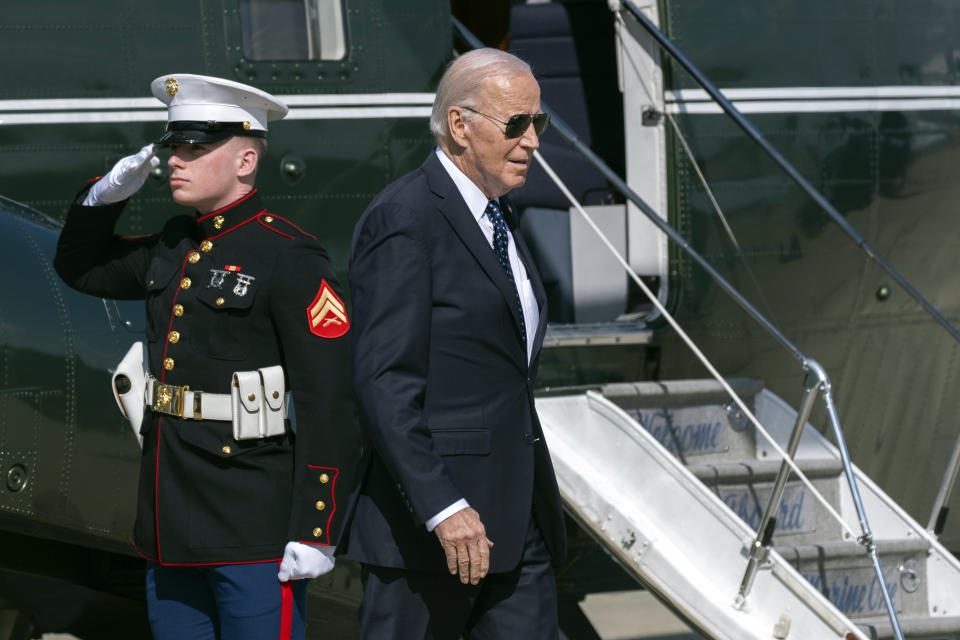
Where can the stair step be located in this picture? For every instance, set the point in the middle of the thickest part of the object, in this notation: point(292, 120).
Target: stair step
point(844, 574)
point(678, 393)
point(745, 487)
point(596, 334)
point(693, 419)
point(837, 550)
point(756, 471)
point(913, 627)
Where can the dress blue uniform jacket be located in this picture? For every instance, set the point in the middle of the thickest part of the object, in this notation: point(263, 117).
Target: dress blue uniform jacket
point(229, 291)
point(443, 383)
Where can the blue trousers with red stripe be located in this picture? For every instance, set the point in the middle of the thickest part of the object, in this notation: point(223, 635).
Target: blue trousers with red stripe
point(225, 602)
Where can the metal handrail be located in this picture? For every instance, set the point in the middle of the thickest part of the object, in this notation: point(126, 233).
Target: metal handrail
point(939, 512)
point(759, 546)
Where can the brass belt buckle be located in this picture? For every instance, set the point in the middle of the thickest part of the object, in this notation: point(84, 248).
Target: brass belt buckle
point(168, 398)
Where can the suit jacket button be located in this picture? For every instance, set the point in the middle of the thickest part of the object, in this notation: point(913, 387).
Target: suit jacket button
point(530, 438)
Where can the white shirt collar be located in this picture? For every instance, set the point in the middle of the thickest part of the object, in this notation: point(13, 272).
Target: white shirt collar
point(472, 195)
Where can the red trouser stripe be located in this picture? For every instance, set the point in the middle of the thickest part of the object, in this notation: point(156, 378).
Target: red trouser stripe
point(286, 610)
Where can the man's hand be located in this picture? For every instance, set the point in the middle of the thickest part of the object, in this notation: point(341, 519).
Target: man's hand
point(464, 540)
point(304, 561)
point(125, 178)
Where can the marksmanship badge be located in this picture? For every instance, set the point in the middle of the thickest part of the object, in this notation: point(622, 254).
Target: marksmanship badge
point(243, 281)
point(217, 276)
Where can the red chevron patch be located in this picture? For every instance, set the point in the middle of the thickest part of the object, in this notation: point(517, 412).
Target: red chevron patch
point(326, 315)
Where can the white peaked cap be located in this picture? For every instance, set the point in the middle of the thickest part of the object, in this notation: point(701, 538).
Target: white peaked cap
point(215, 107)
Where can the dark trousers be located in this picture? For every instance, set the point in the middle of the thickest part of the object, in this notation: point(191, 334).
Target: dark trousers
point(224, 602)
point(409, 605)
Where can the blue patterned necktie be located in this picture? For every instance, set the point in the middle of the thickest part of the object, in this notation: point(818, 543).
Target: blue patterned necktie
point(501, 241)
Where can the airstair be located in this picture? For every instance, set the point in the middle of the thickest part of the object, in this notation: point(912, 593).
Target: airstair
point(672, 480)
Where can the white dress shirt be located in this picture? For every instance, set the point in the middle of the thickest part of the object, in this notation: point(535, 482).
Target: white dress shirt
point(477, 204)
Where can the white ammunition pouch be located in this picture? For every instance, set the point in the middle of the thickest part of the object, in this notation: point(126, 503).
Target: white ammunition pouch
point(259, 403)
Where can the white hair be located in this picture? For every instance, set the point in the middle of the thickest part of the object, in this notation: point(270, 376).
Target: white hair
point(464, 80)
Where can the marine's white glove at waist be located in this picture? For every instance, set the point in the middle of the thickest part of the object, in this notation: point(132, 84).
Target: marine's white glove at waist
point(305, 561)
point(125, 178)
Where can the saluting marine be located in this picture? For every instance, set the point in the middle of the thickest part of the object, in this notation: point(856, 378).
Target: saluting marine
point(243, 485)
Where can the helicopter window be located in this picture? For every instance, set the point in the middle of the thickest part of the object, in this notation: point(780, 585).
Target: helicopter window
point(292, 29)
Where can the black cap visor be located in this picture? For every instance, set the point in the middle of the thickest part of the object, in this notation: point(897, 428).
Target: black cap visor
point(204, 132)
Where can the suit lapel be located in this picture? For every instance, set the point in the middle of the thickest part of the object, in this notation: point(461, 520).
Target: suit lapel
point(455, 210)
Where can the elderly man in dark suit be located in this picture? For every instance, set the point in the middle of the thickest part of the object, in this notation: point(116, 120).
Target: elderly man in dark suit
point(459, 521)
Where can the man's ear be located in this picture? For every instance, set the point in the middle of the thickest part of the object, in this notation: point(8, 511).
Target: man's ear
point(248, 160)
point(457, 125)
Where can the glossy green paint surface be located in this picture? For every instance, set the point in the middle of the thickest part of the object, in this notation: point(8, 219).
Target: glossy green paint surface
point(816, 43)
point(59, 428)
point(113, 50)
point(892, 174)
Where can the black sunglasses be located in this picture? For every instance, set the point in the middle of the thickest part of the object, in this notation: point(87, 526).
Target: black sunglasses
point(517, 125)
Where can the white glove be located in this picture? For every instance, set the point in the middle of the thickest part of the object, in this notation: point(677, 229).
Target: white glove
point(305, 561)
point(125, 178)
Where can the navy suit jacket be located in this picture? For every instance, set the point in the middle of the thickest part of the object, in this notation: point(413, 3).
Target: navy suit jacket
point(443, 382)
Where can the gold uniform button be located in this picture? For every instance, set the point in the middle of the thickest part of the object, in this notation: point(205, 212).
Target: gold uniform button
point(317, 532)
point(185, 283)
point(252, 397)
point(150, 284)
point(321, 505)
point(268, 219)
point(220, 301)
point(168, 364)
point(178, 310)
point(276, 394)
point(205, 246)
point(218, 222)
point(174, 337)
point(324, 478)
point(226, 450)
point(193, 257)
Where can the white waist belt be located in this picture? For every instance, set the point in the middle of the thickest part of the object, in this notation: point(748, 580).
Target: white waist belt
point(257, 404)
point(181, 402)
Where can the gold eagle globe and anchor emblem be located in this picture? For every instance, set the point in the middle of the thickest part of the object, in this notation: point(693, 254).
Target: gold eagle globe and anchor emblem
point(172, 87)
